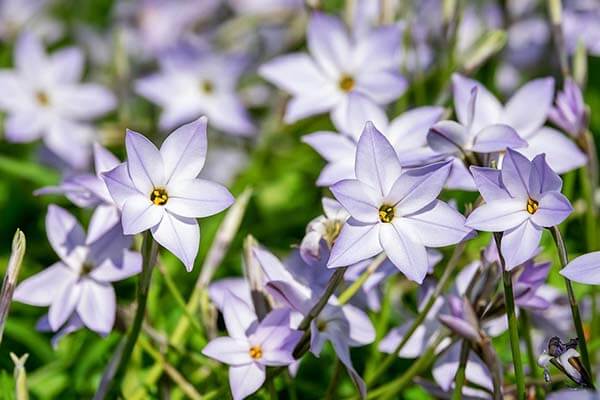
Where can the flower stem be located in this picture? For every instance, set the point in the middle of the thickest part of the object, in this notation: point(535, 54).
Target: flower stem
point(513, 329)
point(440, 287)
point(117, 366)
point(531, 358)
point(459, 379)
point(564, 260)
point(347, 294)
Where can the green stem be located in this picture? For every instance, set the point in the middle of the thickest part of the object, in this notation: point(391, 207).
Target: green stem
point(347, 294)
point(333, 384)
point(440, 287)
point(112, 376)
point(459, 379)
point(564, 260)
point(513, 329)
point(531, 357)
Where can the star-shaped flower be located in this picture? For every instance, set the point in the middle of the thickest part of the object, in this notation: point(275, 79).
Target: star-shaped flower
point(43, 99)
point(520, 200)
point(392, 210)
point(159, 189)
point(81, 281)
point(342, 74)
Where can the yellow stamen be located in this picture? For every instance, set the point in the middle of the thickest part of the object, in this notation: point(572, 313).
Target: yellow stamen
point(386, 213)
point(159, 196)
point(42, 98)
point(207, 86)
point(532, 205)
point(256, 352)
point(346, 83)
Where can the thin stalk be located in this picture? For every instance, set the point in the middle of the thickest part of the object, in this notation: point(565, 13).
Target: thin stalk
point(112, 376)
point(10, 278)
point(564, 260)
point(531, 357)
point(330, 394)
point(459, 379)
point(357, 284)
point(440, 287)
point(513, 328)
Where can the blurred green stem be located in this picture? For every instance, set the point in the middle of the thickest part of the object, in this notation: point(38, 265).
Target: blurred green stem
point(513, 328)
point(531, 356)
point(110, 382)
point(564, 260)
point(459, 379)
point(440, 287)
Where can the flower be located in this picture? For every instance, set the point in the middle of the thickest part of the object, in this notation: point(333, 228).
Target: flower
point(81, 281)
point(158, 189)
point(44, 100)
point(345, 75)
point(584, 269)
point(565, 357)
point(252, 345)
point(190, 85)
point(520, 200)
point(407, 133)
point(392, 210)
point(526, 111)
point(89, 190)
point(570, 112)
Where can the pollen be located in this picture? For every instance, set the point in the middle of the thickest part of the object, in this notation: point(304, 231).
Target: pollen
point(386, 213)
point(321, 325)
point(256, 352)
point(159, 196)
point(207, 86)
point(532, 206)
point(86, 268)
point(42, 98)
point(346, 83)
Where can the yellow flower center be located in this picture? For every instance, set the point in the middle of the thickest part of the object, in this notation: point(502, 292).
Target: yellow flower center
point(86, 268)
point(207, 86)
point(256, 352)
point(346, 83)
point(42, 98)
point(332, 230)
point(159, 196)
point(532, 205)
point(321, 325)
point(386, 213)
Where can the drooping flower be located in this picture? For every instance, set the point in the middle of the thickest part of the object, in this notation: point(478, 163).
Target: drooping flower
point(159, 189)
point(80, 283)
point(44, 100)
point(526, 111)
point(345, 75)
point(191, 85)
point(252, 345)
point(520, 200)
point(407, 133)
point(393, 211)
point(569, 112)
point(566, 358)
point(89, 190)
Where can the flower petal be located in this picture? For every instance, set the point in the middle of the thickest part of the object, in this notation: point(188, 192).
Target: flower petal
point(409, 130)
point(562, 154)
point(355, 243)
point(542, 178)
point(295, 73)
point(498, 215)
point(497, 137)
point(360, 200)
point(66, 236)
point(179, 235)
point(41, 288)
point(184, 151)
point(528, 108)
point(487, 108)
point(140, 214)
point(120, 185)
point(515, 173)
point(447, 137)
point(438, 225)
point(197, 198)
point(228, 350)
point(97, 306)
point(328, 42)
point(553, 209)
point(246, 379)
point(402, 247)
point(377, 164)
point(520, 244)
point(131, 264)
point(64, 303)
point(489, 183)
point(353, 111)
point(584, 269)
point(144, 162)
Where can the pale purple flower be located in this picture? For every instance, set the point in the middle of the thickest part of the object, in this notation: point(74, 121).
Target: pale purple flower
point(526, 111)
point(30, 15)
point(520, 200)
point(191, 85)
point(344, 326)
point(584, 269)
point(393, 211)
point(81, 281)
point(44, 99)
point(89, 190)
point(569, 112)
point(342, 74)
point(407, 133)
point(158, 189)
point(566, 358)
point(252, 345)
point(527, 286)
